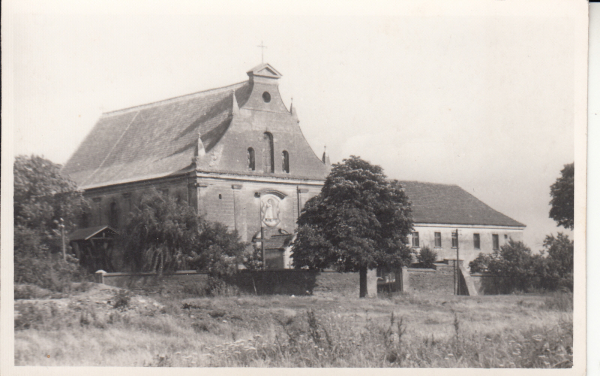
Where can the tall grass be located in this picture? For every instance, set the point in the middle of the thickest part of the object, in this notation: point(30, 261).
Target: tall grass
point(403, 331)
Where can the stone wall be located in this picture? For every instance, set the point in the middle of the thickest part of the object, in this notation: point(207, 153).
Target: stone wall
point(270, 282)
point(439, 280)
point(432, 281)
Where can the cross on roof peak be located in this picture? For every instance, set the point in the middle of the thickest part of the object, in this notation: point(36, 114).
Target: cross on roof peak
point(262, 51)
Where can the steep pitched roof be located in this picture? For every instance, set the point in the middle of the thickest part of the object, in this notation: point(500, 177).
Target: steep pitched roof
point(450, 204)
point(153, 140)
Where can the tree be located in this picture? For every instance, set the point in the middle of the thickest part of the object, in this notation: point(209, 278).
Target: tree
point(359, 221)
point(563, 198)
point(560, 260)
point(165, 235)
point(512, 267)
point(426, 257)
point(43, 200)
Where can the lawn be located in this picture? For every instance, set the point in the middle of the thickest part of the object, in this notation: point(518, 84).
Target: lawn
point(113, 327)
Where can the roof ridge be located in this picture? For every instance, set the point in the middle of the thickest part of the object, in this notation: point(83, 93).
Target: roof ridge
point(427, 182)
point(168, 100)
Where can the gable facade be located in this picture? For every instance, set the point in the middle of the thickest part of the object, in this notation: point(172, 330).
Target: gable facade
point(235, 154)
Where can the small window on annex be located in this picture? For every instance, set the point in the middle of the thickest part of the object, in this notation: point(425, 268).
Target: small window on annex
point(415, 239)
point(438, 239)
point(476, 241)
point(251, 160)
point(285, 161)
point(495, 242)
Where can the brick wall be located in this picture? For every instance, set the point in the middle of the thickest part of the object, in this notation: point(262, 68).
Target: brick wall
point(438, 281)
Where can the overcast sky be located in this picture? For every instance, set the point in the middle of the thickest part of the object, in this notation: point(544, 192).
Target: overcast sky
point(485, 102)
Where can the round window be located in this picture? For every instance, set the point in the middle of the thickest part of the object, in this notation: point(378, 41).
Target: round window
point(266, 97)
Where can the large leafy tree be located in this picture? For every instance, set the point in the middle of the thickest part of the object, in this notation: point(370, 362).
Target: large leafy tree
point(359, 221)
point(43, 200)
point(563, 198)
point(165, 235)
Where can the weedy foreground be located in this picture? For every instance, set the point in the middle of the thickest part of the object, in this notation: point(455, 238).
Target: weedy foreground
point(113, 327)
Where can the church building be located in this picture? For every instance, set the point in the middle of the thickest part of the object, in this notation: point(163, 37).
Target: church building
point(237, 155)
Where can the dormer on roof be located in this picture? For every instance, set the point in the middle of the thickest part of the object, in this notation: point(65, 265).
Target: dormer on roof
point(264, 73)
point(264, 95)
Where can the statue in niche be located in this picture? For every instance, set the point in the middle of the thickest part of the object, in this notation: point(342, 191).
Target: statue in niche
point(269, 210)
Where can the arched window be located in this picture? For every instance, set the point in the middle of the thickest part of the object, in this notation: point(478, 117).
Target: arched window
point(113, 219)
point(285, 161)
point(251, 159)
point(269, 156)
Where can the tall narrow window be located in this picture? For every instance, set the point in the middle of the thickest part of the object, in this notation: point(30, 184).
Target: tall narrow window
point(415, 239)
point(85, 219)
point(285, 161)
point(113, 219)
point(495, 242)
point(251, 160)
point(438, 240)
point(454, 240)
point(269, 157)
point(476, 241)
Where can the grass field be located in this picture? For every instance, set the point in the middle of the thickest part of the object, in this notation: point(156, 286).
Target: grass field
point(112, 327)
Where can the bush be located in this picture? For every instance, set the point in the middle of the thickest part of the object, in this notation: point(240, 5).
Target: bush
point(480, 264)
point(426, 257)
point(514, 268)
point(121, 299)
point(35, 264)
point(31, 292)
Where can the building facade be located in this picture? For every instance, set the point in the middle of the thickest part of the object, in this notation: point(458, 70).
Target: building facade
point(439, 210)
point(237, 155)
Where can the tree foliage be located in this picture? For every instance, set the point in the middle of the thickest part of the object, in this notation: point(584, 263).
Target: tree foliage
point(426, 257)
point(563, 198)
point(515, 268)
point(42, 197)
point(359, 221)
point(165, 235)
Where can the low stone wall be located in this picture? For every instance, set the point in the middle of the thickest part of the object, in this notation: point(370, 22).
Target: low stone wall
point(285, 281)
point(432, 281)
point(485, 284)
point(439, 280)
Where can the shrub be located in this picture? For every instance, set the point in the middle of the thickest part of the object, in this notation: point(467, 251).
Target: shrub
point(480, 264)
point(426, 257)
point(514, 268)
point(121, 299)
point(35, 264)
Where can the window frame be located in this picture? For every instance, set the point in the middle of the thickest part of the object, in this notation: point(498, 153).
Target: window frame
point(476, 241)
point(437, 239)
point(251, 159)
point(495, 242)
point(415, 239)
point(270, 153)
point(454, 240)
point(285, 161)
